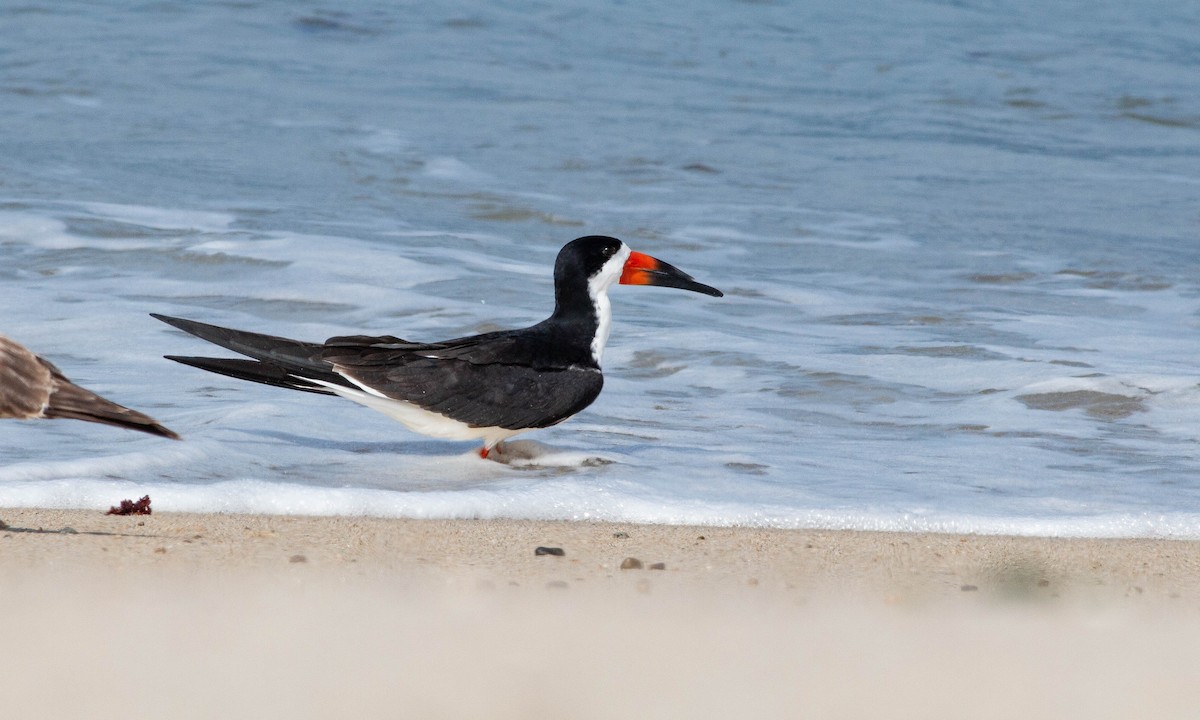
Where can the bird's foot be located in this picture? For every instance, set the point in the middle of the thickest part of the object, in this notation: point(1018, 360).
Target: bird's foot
point(492, 453)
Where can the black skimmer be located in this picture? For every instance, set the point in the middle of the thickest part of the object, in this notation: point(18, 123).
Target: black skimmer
point(33, 388)
point(485, 387)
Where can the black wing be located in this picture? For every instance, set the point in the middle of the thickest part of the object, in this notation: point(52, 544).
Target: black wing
point(278, 361)
point(503, 379)
point(510, 379)
point(287, 353)
point(494, 395)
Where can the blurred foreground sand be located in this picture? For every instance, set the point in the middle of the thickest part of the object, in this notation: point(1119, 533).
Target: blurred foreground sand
point(232, 616)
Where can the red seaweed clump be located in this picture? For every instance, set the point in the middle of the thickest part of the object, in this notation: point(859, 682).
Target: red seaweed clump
point(129, 507)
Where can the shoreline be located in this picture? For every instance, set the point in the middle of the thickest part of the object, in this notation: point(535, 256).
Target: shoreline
point(204, 615)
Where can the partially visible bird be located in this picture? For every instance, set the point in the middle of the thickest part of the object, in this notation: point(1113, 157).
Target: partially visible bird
point(32, 388)
point(487, 387)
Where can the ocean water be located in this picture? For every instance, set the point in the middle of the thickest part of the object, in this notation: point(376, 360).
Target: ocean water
point(960, 245)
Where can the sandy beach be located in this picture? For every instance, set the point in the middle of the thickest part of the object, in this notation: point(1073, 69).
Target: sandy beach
point(190, 615)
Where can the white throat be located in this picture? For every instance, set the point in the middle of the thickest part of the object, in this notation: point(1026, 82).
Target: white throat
point(598, 287)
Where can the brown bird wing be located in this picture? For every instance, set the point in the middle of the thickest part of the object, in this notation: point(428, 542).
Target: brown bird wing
point(32, 387)
point(25, 382)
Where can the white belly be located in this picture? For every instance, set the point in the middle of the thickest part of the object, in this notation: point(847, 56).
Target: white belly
point(420, 420)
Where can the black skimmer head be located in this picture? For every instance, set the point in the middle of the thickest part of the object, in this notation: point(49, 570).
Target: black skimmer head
point(487, 387)
point(588, 266)
point(603, 260)
point(32, 388)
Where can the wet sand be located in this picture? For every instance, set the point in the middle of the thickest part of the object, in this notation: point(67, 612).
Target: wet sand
point(190, 615)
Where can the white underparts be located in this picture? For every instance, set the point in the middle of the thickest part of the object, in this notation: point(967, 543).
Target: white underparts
point(416, 418)
point(598, 287)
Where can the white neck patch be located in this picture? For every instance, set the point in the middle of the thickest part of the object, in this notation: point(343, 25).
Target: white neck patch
point(598, 287)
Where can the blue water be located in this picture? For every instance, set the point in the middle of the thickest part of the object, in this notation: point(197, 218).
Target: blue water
point(960, 244)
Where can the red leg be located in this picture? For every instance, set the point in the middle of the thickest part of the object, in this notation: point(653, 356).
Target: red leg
point(483, 452)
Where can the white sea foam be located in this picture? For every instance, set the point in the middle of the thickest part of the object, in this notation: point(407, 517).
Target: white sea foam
point(37, 230)
point(447, 168)
point(152, 217)
point(556, 500)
